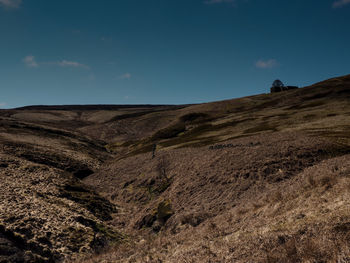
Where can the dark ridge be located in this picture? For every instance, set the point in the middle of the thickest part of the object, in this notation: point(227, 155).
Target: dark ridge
point(83, 173)
point(55, 160)
point(194, 117)
point(131, 115)
point(142, 113)
point(94, 107)
point(52, 132)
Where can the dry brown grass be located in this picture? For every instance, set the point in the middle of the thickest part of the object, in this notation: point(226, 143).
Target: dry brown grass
point(325, 180)
point(318, 248)
point(255, 208)
point(279, 194)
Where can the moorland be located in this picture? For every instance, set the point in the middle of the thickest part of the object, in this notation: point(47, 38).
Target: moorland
point(264, 178)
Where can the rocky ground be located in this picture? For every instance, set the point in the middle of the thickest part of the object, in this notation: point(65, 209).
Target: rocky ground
point(46, 213)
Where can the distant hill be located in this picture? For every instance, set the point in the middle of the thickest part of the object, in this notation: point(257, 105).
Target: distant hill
point(92, 107)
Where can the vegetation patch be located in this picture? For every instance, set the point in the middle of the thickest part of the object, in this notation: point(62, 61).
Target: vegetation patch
point(158, 217)
point(309, 116)
point(169, 132)
point(101, 228)
point(194, 117)
point(131, 115)
point(188, 136)
point(157, 189)
point(193, 137)
point(164, 211)
point(141, 149)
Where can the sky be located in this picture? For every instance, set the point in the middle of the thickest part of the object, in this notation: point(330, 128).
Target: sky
point(166, 51)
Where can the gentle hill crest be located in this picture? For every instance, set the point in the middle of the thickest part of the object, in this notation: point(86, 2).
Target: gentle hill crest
point(307, 109)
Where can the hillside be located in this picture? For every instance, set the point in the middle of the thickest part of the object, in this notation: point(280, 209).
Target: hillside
point(264, 178)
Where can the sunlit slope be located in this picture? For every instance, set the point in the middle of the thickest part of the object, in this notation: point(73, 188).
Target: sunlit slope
point(218, 172)
point(258, 179)
point(322, 108)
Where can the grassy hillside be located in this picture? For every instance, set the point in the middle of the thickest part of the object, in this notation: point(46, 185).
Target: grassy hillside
point(264, 178)
point(320, 108)
point(259, 179)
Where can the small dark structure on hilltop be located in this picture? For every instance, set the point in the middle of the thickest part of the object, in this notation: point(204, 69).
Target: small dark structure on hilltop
point(278, 86)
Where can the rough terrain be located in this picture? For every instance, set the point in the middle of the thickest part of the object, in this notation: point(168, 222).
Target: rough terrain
point(264, 178)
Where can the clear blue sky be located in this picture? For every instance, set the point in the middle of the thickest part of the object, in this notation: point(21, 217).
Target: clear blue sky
point(166, 51)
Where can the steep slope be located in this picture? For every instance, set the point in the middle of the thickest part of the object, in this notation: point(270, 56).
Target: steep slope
point(46, 213)
point(232, 204)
